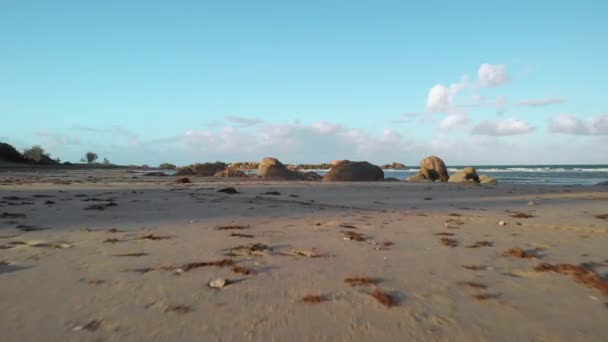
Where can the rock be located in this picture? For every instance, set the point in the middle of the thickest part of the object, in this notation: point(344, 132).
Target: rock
point(218, 283)
point(394, 166)
point(208, 169)
point(272, 168)
point(417, 178)
point(354, 172)
point(231, 173)
point(603, 183)
point(433, 169)
point(230, 191)
point(485, 179)
point(391, 179)
point(184, 171)
point(468, 174)
point(337, 162)
point(183, 180)
point(155, 174)
point(312, 176)
point(502, 223)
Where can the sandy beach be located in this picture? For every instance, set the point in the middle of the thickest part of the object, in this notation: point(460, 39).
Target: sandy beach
point(115, 256)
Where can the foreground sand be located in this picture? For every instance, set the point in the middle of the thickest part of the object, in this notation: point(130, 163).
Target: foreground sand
point(124, 271)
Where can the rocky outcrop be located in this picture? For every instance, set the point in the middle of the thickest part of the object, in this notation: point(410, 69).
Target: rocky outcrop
point(485, 179)
point(468, 174)
point(431, 169)
point(183, 180)
point(184, 171)
point(337, 162)
point(394, 166)
point(208, 169)
point(231, 173)
point(312, 176)
point(272, 168)
point(348, 171)
point(603, 183)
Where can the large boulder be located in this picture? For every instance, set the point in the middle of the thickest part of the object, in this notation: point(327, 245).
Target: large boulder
point(433, 169)
point(334, 163)
point(348, 171)
point(208, 169)
point(418, 177)
point(272, 168)
point(485, 179)
point(231, 173)
point(468, 174)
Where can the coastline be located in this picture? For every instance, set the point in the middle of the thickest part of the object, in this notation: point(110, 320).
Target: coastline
point(118, 273)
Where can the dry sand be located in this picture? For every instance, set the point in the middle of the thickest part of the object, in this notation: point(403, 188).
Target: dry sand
point(136, 265)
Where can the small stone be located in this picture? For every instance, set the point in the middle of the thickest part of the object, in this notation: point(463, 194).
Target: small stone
point(502, 223)
point(531, 203)
point(218, 283)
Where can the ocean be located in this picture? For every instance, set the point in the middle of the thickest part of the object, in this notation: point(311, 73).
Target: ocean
point(525, 174)
point(518, 174)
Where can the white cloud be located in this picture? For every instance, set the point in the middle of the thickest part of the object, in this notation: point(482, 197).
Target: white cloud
point(570, 124)
point(441, 98)
point(504, 127)
point(492, 75)
point(454, 121)
point(243, 121)
point(541, 102)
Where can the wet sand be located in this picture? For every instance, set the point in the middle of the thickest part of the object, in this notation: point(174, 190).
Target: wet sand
point(102, 256)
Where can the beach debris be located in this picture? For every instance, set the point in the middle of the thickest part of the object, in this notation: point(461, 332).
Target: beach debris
point(179, 309)
point(481, 244)
point(524, 254)
point(26, 228)
point(242, 270)
point(111, 240)
point(101, 206)
point(474, 285)
point(114, 230)
point(217, 263)
point(154, 237)
point(218, 283)
point(454, 215)
point(383, 297)
point(90, 326)
point(502, 223)
point(359, 281)
point(241, 235)
point(349, 226)
point(308, 253)
point(313, 299)
point(353, 236)
point(274, 193)
point(229, 190)
point(428, 198)
point(579, 273)
point(475, 267)
point(486, 296)
point(183, 180)
point(96, 282)
point(12, 215)
point(256, 249)
point(231, 227)
point(139, 254)
point(602, 217)
point(449, 242)
point(444, 234)
point(49, 202)
point(520, 215)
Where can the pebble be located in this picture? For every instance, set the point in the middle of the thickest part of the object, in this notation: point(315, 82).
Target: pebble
point(217, 283)
point(531, 203)
point(502, 223)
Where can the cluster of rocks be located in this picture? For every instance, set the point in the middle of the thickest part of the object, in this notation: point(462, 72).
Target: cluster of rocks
point(394, 166)
point(432, 169)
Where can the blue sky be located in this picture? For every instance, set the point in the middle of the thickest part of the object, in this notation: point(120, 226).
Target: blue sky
point(184, 81)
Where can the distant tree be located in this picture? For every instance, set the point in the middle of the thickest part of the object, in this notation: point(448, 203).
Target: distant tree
point(35, 154)
point(106, 161)
point(58, 161)
point(91, 157)
point(82, 160)
point(9, 153)
point(167, 166)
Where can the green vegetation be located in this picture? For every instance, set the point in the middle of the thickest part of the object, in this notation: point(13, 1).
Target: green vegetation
point(167, 166)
